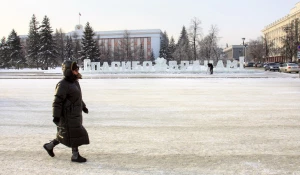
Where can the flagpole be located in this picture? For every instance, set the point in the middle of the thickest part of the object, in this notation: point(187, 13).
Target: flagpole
point(79, 18)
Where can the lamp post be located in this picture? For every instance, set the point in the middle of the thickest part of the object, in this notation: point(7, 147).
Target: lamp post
point(245, 45)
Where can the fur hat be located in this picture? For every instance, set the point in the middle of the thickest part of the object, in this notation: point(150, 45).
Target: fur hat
point(67, 67)
point(74, 66)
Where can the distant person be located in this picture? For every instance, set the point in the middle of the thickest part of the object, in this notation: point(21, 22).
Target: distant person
point(67, 113)
point(211, 68)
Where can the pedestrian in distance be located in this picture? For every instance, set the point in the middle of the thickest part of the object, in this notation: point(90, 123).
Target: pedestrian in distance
point(211, 68)
point(67, 113)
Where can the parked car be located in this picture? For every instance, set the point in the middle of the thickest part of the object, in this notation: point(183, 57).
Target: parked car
point(249, 64)
point(272, 67)
point(258, 65)
point(289, 67)
point(265, 64)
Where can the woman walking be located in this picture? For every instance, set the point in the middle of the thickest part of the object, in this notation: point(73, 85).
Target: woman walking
point(67, 113)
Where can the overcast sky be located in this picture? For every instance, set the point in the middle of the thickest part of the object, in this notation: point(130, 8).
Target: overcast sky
point(235, 19)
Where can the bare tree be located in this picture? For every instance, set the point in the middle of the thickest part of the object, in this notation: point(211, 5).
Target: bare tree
point(125, 46)
point(209, 45)
point(267, 47)
point(270, 49)
point(256, 50)
point(105, 52)
point(195, 32)
point(117, 55)
point(290, 41)
point(127, 50)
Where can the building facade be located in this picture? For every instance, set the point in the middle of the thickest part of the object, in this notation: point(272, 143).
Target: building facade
point(148, 39)
point(235, 52)
point(277, 31)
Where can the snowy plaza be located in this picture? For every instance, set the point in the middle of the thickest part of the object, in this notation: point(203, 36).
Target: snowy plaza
point(159, 126)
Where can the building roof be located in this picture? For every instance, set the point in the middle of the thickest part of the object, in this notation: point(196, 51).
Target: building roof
point(293, 11)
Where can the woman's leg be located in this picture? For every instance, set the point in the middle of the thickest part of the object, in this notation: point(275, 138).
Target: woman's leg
point(76, 157)
point(49, 147)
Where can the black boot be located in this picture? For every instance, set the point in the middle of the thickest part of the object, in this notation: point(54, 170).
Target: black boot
point(76, 157)
point(49, 147)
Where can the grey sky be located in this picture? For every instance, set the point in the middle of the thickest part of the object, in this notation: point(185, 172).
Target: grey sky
point(234, 18)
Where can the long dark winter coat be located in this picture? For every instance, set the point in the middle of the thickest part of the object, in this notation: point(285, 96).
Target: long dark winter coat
point(68, 105)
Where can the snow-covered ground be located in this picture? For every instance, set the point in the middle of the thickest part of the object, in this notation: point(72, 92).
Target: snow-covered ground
point(158, 126)
point(57, 74)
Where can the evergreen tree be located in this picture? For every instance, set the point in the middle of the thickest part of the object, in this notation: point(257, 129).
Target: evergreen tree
point(152, 57)
point(164, 46)
point(4, 54)
point(171, 49)
point(183, 48)
point(108, 52)
point(47, 52)
point(89, 49)
point(141, 53)
point(77, 47)
point(16, 53)
point(69, 49)
point(118, 53)
point(60, 45)
point(98, 47)
point(33, 43)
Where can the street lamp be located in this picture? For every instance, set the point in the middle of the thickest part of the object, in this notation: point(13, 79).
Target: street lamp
point(245, 45)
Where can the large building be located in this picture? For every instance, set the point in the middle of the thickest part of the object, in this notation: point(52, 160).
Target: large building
point(149, 39)
point(276, 31)
point(234, 52)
